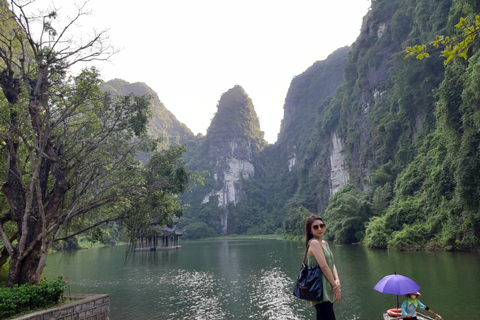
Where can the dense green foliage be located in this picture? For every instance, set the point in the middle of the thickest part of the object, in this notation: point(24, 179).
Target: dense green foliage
point(422, 191)
point(346, 215)
point(452, 47)
point(437, 200)
point(294, 224)
point(69, 150)
point(24, 298)
point(165, 177)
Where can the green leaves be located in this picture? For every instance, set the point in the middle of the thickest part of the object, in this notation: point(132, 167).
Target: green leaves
point(156, 200)
point(453, 47)
point(419, 51)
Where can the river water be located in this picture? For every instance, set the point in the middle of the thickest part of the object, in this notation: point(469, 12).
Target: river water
point(253, 279)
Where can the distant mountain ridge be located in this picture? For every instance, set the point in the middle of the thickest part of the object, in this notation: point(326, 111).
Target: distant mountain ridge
point(163, 124)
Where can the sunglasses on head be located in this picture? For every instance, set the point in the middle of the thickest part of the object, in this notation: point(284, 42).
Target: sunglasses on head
point(318, 226)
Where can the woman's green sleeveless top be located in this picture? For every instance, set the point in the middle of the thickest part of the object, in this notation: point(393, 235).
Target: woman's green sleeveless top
point(328, 294)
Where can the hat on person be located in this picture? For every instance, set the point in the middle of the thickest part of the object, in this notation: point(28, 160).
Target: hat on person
point(417, 293)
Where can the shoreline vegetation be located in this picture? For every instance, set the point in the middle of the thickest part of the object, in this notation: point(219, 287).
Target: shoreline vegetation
point(301, 239)
point(285, 237)
point(239, 237)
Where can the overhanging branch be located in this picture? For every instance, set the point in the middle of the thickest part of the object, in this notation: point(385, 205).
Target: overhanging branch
point(91, 227)
point(6, 242)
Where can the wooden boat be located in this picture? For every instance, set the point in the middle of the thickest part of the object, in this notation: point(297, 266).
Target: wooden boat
point(420, 316)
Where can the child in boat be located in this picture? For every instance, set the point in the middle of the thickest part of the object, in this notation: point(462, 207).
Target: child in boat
point(410, 304)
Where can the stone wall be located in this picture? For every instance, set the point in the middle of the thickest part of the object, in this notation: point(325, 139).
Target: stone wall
point(89, 307)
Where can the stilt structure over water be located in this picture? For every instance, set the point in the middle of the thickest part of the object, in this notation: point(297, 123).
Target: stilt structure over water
point(163, 238)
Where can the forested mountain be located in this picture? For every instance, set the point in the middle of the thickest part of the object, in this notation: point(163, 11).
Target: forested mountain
point(163, 123)
point(409, 140)
point(410, 146)
point(388, 153)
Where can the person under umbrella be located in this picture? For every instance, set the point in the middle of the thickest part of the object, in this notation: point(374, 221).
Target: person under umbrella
point(410, 304)
point(396, 284)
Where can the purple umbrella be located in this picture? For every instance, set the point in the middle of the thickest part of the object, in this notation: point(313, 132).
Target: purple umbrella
point(397, 284)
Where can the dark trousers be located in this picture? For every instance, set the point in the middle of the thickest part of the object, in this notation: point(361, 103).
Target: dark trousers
point(325, 311)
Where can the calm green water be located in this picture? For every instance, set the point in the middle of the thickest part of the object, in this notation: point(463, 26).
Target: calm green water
point(253, 279)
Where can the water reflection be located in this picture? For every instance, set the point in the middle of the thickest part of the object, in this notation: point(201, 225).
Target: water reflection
point(271, 297)
point(203, 293)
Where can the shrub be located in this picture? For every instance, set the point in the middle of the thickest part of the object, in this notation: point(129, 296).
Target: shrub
point(198, 230)
point(294, 224)
point(24, 298)
point(376, 233)
point(410, 238)
point(346, 215)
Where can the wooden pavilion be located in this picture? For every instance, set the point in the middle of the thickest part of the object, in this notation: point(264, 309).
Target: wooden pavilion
point(164, 238)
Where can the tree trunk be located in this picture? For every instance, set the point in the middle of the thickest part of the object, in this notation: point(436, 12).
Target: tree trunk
point(39, 173)
point(24, 271)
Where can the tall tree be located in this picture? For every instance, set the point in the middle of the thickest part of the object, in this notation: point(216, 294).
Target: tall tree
point(68, 149)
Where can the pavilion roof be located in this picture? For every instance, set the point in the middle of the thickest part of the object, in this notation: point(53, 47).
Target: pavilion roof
point(166, 230)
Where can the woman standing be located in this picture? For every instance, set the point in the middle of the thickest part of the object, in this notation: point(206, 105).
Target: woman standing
point(319, 254)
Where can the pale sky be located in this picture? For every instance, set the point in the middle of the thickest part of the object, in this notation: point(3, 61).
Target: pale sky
point(190, 52)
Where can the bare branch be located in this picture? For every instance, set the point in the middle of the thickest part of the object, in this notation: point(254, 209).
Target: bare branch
point(6, 242)
point(91, 227)
point(72, 22)
point(5, 253)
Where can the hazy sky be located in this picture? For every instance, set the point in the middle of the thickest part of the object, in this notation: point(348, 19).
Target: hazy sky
point(192, 51)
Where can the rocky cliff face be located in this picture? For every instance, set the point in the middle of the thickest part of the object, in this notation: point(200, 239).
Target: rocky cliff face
point(339, 175)
point(304, 97)
point(230, 169)
point(319, 158)
point(388, 99)
point(231, 146)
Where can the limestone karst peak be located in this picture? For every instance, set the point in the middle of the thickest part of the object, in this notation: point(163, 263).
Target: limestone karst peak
point(236, 117)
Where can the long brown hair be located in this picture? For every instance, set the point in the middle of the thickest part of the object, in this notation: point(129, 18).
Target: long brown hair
point(308, 227)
